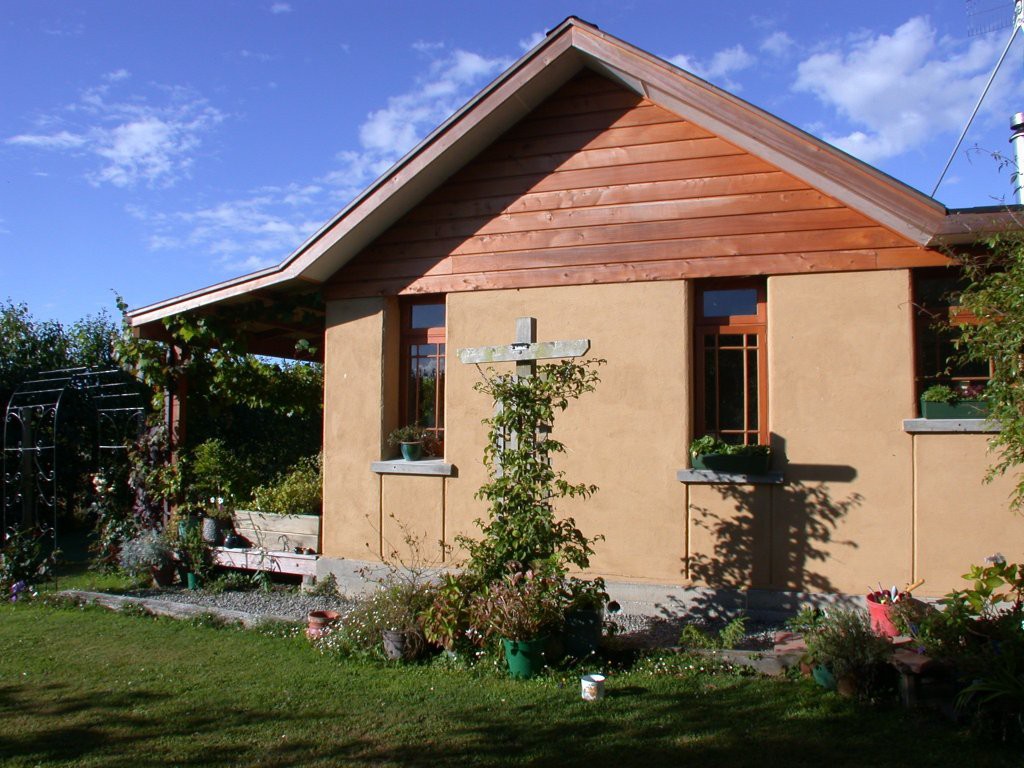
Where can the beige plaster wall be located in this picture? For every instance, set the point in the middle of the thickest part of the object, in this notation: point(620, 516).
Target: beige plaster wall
point(354, 414)
point(841, 381)
point(960, 519)
point(413, 506)
point(628, 436)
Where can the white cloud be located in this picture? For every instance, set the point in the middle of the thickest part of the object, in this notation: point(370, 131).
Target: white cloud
point(722, 64)
point(258, 228)
point(777, 44)
point(529, 42)
point(279, 8)
point(388, 133)
point(896, 90)
point(134, 140)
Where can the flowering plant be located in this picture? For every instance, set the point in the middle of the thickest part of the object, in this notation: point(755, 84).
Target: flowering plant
point(147, 550)
point(25, 559)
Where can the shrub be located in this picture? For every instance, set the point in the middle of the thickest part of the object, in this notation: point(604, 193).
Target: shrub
point(522, 606)
point(147, 550)
point(297, 492)
point(845, 643)
point(25, 560)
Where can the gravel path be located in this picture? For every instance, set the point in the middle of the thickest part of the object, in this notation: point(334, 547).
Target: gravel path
point(293, 605)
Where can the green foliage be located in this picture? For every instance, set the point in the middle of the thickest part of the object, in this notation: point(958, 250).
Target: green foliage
point(731, 635)
point(446, 621)
point(296, 492)
point(410, 433)
point(523, 486)
point(26, 559)
point(112, 514)
point(326, 587)
point(213, 471)
point(995, 296)
point(28, 345)
point(522, 606)
point(195, 553)
point(806, 621)
point(709, 444)
point(846, 644)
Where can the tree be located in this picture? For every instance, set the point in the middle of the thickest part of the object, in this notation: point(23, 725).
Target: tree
point(994, 295)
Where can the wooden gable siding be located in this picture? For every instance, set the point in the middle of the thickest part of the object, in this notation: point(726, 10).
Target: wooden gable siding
point(598, 185)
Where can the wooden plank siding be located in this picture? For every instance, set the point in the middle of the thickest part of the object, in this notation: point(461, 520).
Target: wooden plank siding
point(599, 185)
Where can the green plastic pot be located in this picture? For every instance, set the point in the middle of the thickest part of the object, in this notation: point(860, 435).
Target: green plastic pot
point(525, 657)
point(412, 451)
point(738, 464)
point(193, 581)
point(964, 409)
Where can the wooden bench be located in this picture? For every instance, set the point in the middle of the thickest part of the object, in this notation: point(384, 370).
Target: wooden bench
point(275, 539)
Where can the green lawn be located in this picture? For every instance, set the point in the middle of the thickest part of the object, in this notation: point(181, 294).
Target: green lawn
point(88, 687)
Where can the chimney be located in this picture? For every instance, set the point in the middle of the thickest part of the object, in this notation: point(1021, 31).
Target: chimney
point(1017, 139)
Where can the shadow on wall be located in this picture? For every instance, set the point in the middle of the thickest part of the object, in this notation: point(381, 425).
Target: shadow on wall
point(768, 537)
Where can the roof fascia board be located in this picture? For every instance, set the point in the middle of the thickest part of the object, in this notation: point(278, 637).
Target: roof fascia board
point(849, 180)
point(967, 227)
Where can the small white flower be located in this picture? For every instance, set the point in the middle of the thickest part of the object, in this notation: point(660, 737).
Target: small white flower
point(996, 559)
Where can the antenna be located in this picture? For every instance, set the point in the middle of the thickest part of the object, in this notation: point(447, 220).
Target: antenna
point(994, 23)
point(984, 16)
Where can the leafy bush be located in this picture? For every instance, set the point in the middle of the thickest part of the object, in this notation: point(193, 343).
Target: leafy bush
point(522, 606)
point(845, 643)
point(147, 550)
point(297, 492)
point(25, 560)
point(523, 486)
point(214, 472)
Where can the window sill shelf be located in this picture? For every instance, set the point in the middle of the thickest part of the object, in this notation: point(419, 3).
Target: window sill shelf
point(428, 467)
point(940, 426)
point(709, 477)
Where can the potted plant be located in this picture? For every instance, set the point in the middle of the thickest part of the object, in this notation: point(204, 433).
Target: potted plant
point(584, 615)
point(149, 553)
point(847, 654)
point(410, 440)
point(965, 402)
point(195, 556)
point(711, 453)
point(521, 610)
point(395, 608)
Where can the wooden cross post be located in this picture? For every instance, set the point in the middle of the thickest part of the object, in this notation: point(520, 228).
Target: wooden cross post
point(525, 351)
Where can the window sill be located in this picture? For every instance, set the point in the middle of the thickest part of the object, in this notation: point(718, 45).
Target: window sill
point(709, 477)
point(428, 467)
point(940, 426)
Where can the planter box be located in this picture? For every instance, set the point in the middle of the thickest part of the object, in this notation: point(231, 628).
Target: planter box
point(278, 532)
point(737, 465)
point(965, 409)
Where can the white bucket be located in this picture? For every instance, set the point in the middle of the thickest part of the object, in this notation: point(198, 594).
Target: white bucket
point(592, 687)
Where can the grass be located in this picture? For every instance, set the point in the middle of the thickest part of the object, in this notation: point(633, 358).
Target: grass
point(89, 687)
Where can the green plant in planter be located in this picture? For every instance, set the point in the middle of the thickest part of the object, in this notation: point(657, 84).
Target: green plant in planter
point(710, 452)
point(943, 402)
point(195, 554)
point(845, 643)
point(522, 606)
point(299, 491)
point(410, 433)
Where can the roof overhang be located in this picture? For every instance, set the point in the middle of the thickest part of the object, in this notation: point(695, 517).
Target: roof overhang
point(570, 47)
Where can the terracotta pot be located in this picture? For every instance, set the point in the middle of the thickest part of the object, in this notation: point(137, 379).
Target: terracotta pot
point(318, 623)
point(881, 616)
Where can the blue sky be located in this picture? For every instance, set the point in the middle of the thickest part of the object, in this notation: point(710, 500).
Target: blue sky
point(154, 148)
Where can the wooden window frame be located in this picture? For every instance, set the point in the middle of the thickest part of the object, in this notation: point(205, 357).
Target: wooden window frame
point(757, 325)
point(926, 315)
point(410, 336)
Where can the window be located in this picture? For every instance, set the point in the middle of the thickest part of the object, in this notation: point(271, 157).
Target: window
point(731, 361)
point(423, 342)
point(936, 317)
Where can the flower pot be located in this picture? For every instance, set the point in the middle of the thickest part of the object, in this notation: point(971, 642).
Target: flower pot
point(163, 575)
point(211, 531)
point(582, 631)
point(881, 616)
point(412, 451)
point(525, 657)
point(752, 464)
point(192, 580)
point(186, 525)
point(823, 676)
point(395, 644)
point(318, 623)
point(963, 409)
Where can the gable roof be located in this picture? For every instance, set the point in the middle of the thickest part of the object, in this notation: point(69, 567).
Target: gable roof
point(567, 49)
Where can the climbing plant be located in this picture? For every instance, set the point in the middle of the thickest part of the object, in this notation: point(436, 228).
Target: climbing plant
point(523, 487)
point(994, 295)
